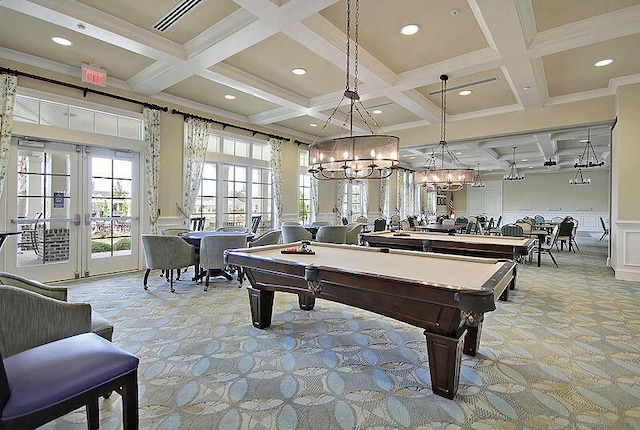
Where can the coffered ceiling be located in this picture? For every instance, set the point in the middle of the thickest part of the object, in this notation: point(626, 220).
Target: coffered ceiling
point(514, 55)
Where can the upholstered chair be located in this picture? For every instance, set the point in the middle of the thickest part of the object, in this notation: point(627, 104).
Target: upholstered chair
point(212, 254)
point(294, 233)
point(174, 231)
point(48, 381)
point(270, 237)
point(332, 234)
point(321, 223)
point(353, 230)
point(379, 224)
point(290, 223)
point(167, 253)
point(512, 230)
point(32, 313)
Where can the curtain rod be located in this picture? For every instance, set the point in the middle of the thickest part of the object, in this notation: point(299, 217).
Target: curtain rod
point(84, 90)
point(225, 125)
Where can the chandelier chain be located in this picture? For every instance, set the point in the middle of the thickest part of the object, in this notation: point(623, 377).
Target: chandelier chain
point(443, 112)
point(346, 88)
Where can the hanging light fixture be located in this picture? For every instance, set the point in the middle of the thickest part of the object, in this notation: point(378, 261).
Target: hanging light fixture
point(579, 179)
point(373, 156)
point(477, 180)
point(435, 175)
point(588, 157)
point(514, 173)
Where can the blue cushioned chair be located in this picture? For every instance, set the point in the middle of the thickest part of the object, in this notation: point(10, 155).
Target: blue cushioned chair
point(43, 383)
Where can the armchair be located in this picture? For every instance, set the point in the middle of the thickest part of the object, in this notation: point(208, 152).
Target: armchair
point(294, 233)
point(32, 313)
point(43, 383)
point(353, 230)
point(270, 237)
point(332, 234)
point(166, 253)
point(212, 254)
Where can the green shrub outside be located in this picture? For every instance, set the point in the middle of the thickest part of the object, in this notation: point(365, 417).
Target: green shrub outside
point(97, 247)
point(122, 244)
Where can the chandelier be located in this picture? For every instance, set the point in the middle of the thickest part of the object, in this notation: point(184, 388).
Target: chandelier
point(514, 173)
point(477, 180)
point(373, 156)
point(588, 157)
point(579, 179)
point(435, 175)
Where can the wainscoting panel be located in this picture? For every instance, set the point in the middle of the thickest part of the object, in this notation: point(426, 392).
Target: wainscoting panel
point(588, 221)
point(626, 240)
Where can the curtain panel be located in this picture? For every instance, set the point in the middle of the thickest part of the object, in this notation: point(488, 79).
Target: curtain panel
point(8, 84)
point(277, 146)
point(383, 197)
point(315, 207)
point(340, 188)
point(195, 149)
point(152, 163)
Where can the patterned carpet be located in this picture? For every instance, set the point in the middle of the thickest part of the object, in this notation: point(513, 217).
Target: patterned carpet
point(563, 352)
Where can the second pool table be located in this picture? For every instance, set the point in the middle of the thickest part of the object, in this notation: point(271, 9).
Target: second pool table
point(462, 244)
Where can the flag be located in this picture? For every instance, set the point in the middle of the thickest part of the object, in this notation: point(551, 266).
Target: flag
point(452, 205)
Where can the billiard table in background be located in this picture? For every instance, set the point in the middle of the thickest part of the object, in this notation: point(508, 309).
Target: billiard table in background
point(446, 295)
point(461, 244)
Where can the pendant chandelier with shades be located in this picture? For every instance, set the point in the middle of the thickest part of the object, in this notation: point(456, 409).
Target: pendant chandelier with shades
point(579, 179)
point(588, 157)
point(435, 175)
point(373, 156)
point(514, 173)
point(477, 180)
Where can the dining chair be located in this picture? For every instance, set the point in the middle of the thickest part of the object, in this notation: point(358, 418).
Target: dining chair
point(197, 223)
point(238, 228)
point(48, 381)
point(255, 223)
point(295, 233)
point(512, 230)
point(167, 253)
point(605, 230)
point(549, 242)
point(212, 250)
point(353, 232)
point(379, 224)
point(539, 219)
point(565, 235)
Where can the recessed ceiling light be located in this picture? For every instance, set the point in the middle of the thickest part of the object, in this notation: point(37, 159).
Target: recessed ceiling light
point(524, 159)
point(230, 97)
point(526, 88)
point(412, 157)
point(458, 153)
point(298, 71)
point(464, 93)
point(584, 140)
point(410, 29)
point(603, 63)
point(61, 41)
point(376, 111)
point(313, 124)
point(531, 167)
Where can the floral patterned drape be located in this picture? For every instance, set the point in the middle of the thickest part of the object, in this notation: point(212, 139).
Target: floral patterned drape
point(315, 207)
point(406, 198)
point(8, 84)
point(152, 163)
point(195, 150)
point(365, 198)
point(340, 187)
point(277, 146)
point(383, 196)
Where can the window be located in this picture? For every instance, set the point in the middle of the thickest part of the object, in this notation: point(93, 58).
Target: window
point(354, 203)
point(207, 201)
point(261, 198)
point(234, 186)
point(305, 194)
point(304, 201)
point(35, 110)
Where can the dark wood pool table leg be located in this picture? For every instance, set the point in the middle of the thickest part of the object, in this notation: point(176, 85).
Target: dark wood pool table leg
point(305, 302)
point(261, 302)
point(445, 356)
point(472, 340)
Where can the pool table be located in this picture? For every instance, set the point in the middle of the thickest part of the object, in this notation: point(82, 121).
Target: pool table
point(446, 295)
point(462, 244)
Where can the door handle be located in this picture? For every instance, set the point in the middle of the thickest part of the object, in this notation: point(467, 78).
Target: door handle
point(76, 219)
point(87, 219)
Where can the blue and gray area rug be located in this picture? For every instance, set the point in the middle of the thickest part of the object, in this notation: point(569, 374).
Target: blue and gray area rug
point(563, 352)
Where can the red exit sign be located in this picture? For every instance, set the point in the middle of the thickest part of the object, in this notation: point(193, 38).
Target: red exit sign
point(94, 75)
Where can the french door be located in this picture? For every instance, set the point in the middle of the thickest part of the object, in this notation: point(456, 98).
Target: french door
point(76, 208)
